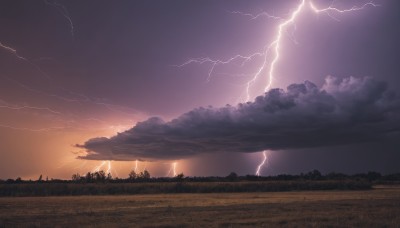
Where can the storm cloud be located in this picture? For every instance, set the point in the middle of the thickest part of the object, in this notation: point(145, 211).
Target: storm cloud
point(342, 111)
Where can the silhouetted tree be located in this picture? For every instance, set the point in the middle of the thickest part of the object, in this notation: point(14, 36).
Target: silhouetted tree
point(89, 177)
point(76, 177)
point(232, 176)
point(314, 175)
point(336, 176)
point(132, 175)
point(109, 177)
point(179, 177)
point(372, 176)
point(100, 176)
point(145, 175)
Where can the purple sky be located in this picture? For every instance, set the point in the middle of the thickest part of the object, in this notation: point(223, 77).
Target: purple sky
point(88, 69)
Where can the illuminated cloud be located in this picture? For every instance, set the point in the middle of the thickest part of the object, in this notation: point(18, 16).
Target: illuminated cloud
point(342, 111)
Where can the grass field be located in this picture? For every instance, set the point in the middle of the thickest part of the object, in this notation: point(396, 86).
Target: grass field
point(379, 207)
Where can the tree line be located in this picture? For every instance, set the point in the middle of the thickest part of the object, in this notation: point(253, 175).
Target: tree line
point(144, 176)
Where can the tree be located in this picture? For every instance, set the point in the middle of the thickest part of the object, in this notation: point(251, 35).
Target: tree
point(145, 175)
point(179, 177)
point(314, 175)
point(109, 177)
point(89, 177)
point(100, 176)
point(76, 177)
point(232, 176)
point(372, 176)
point(132, 175)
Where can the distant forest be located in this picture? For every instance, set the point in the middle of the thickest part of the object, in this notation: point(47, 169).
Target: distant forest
point(102, 177)
point(100, 183)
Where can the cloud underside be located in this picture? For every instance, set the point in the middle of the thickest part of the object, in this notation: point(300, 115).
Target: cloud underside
point(342, 111)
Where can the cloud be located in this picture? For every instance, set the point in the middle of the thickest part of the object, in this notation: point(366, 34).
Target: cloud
point(343, 111)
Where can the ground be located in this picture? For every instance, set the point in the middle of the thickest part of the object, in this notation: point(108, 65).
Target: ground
point(379, 207)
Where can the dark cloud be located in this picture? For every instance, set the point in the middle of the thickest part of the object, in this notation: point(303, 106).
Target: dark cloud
point(342, 111)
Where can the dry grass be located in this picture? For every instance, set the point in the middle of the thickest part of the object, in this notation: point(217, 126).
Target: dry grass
point(374, 208)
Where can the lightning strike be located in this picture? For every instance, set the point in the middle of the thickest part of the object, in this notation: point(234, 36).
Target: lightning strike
point(262, 163)
point(333, 9)
point(14, 52)
point(64, 12)
point(97, 168)
point(274, 46)
point(214, 63)
point(172, 170)
point(256, 16)
point(136, 166)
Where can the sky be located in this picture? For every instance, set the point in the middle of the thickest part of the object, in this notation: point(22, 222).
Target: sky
point(149, 84)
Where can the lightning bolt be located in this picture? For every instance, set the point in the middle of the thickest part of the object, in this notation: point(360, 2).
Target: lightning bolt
point(14, 52)
point(97, 168)
point(273, 47)
point(256, 16)
point(136, 166)
point(276, 45)
point(214, 63)
point(103, 164)
point(262, 163)
point(172, 170)
point(330, 9)
point(64, 12)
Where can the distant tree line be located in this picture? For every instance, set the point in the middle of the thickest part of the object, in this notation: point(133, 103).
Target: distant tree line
point(144, 176)
point(100, 183)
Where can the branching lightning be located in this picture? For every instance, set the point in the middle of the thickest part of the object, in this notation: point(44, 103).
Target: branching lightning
point(172, 170)
point(214, 63)
point(330, 9)
point(97, 168)
point(256, 16)
point(103, 164)
point(274, 46)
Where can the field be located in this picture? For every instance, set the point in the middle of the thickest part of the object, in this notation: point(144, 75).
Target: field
point(379, 207)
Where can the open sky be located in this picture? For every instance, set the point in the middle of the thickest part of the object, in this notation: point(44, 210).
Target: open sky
point(82, 82)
